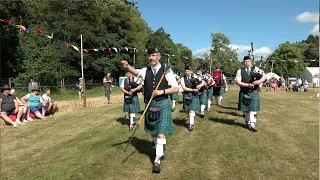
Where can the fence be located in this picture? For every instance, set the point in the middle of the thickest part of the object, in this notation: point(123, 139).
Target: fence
point(62, 84)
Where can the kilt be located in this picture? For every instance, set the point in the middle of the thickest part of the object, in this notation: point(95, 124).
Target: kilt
point(195, 105)
point(134, 107)
point(210, 93)
point(165, 124)
point(254, 104)
point(174, 96)
point(203, 98)
point(217, 91)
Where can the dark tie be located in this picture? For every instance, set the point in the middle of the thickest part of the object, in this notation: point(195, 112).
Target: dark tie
point(248, 71)
point(154, 72)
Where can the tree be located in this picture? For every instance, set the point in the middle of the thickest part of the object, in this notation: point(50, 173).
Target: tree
point(224, 54)
point(287, 60)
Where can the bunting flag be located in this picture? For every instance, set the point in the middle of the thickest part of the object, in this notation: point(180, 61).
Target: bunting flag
point(76, 48)
point(38, 31)
point(121, 49)
point(50, 37)
point(21, 27)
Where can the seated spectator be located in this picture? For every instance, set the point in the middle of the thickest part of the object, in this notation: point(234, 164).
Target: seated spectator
point(50, 105)
point(35, 102)
point(296, 87)
point(25, 107)
point(9, 106)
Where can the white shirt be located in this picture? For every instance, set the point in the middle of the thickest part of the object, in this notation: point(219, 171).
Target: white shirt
point(194, 75)
point(46, 97)
point(256, 69)
point(168, 75)
point(126, 79)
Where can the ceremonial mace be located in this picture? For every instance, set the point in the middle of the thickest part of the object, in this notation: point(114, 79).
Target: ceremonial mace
point(167, 66)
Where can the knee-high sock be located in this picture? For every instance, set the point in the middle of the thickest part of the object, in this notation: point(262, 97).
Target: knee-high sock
point(209, 103)
point(202, 107)
point(159, 149)
point(246, 116)
point(132, 116)
point(220, 99)
point(191, 117)
point(217, 99)
point(173, 103)
point(253, 118)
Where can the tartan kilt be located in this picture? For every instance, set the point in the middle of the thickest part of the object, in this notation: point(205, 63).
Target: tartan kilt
point(195, 105)
point(174, 96)
point(165, 124)
point(217, 91)
point(134, 107)
point(203, 98)
point(254, 104)
point(210, 93)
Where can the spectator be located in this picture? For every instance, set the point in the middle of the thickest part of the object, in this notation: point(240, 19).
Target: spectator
point(107, 80)
point(50, 105)
point(80, 90)
point(305, 85)
point(289, 87)
point(32, 84)
point(25, 107)
point(9, 106)
point(35, 102)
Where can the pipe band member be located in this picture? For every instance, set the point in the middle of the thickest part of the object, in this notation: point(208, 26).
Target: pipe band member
point(201, 85)
point(220, 81)
point(158, 119)
point(249, 78)
point(130, 87)
point(191, 101)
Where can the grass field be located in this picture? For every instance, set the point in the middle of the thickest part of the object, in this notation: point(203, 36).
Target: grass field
point(88, 144)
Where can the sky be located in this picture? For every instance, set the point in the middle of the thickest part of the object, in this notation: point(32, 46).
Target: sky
point(265, 23)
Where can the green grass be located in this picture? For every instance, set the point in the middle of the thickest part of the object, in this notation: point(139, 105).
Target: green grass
point(72, 94)
point(89, 143)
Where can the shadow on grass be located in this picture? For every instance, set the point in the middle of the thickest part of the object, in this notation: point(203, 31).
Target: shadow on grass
point(230, 113)
point(232, 108)
point(123, 121)
point(142, 146)
point(181, 122)
point(228, 122)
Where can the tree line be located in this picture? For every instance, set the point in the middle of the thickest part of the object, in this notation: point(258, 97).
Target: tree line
point(110, 23)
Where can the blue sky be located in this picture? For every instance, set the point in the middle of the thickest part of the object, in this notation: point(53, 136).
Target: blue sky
point(265, 23)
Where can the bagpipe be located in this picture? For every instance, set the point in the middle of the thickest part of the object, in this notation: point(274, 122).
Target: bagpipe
point(195, 82)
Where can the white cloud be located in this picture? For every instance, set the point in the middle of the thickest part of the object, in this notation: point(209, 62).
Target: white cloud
point(315, 30)
point(201, 52)
point(307, 17)
point(242, 50)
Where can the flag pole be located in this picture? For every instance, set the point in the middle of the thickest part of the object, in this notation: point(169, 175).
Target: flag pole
point(83, 80)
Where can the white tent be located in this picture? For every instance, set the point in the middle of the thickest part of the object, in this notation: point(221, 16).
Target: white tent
point(311, 74)
point(272, 75)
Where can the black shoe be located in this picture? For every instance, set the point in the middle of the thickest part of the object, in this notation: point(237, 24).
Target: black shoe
point(162, 158)
point(191, 128)
point(173, 109)
point(156, 168)
point(253, 129)
point(153, 144)
point(201, 115)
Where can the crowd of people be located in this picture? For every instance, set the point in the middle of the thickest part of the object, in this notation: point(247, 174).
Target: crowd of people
point(15, 111)
point(290, 86)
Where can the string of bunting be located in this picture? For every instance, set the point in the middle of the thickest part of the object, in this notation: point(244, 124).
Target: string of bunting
point(109, 49)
